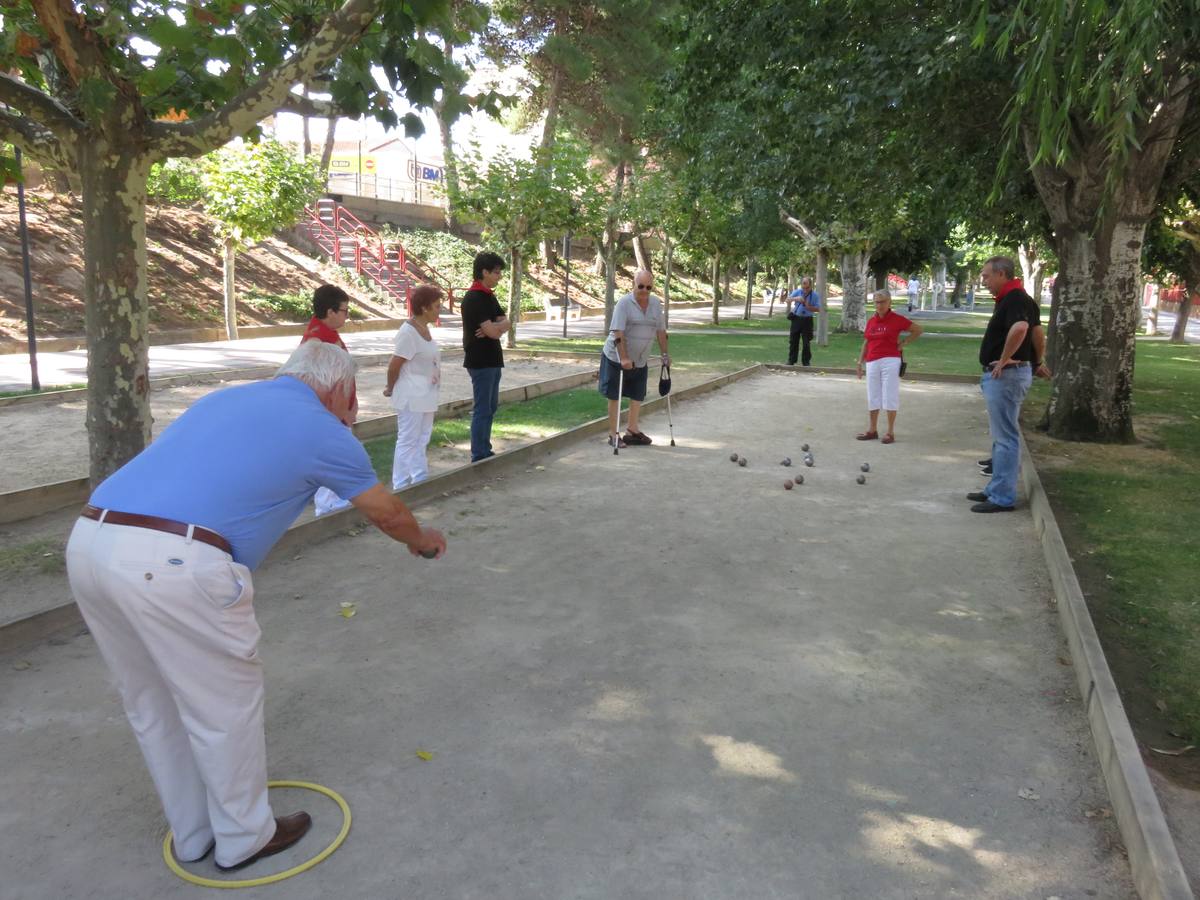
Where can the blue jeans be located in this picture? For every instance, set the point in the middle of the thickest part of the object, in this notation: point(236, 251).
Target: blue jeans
point(485, 384)
point(1004, 396)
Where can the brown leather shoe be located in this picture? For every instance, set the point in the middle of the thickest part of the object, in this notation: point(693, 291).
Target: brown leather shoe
point(288, 830)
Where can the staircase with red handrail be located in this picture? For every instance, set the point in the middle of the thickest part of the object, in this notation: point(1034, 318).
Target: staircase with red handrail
point(353, 244)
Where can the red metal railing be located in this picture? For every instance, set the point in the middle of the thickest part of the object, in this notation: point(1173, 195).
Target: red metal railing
point(353, 244)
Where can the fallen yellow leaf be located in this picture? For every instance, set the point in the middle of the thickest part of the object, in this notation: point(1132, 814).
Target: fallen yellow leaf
point(425, 755)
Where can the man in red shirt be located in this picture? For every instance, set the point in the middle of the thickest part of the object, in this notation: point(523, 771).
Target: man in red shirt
point(331, 309)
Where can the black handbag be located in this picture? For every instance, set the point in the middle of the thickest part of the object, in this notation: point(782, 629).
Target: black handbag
point(903, 365)
point(664, 380)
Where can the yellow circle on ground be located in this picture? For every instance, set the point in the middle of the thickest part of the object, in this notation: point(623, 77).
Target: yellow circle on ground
point(174, 866)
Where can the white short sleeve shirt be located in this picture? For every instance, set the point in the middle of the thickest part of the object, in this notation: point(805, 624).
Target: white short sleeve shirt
point(416, 389)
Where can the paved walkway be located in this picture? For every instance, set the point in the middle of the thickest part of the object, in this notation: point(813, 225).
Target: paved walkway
point(70, 367)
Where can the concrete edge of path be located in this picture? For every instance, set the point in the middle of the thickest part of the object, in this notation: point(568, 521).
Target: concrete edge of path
point(199, 376)
point(30, 629)
point(1158, 872)
point(25, 503)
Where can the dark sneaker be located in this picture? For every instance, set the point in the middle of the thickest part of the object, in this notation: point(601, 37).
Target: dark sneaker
point(986, 471)
point(989, 507)
point(977, 497)
point(985, 463)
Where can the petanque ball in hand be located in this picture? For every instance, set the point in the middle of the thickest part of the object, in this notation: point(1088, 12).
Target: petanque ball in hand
point(429, 554)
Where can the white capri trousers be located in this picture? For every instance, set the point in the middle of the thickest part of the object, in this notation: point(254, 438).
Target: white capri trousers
point(883, 383)
point(174, 620)
point(409, 465)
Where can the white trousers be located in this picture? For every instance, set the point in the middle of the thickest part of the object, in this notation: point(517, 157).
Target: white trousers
point(174, 620)
point(413, 430)
point(883, 383)
point(326, 501)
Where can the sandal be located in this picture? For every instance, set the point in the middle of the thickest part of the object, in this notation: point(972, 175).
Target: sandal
point(619, 441)
point(636, 437)
point(888, 439)
point(868, 436)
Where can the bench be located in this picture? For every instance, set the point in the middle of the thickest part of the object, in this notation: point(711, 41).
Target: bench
point(554, 307)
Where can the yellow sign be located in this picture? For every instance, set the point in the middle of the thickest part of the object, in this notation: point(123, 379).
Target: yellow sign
point(352, 164)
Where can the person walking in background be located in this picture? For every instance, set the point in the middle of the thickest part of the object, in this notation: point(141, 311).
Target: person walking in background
point(880, 359)
point(914, 291)
point(484, 323)
point(803, 304)
point(413, 376)
point(331, 309)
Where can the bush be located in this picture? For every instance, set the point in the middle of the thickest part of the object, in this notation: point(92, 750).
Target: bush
point(176, 181)
point(292, 307)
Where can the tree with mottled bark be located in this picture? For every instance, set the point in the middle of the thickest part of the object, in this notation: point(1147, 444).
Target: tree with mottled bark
point(1103, 110)
point(107, 92)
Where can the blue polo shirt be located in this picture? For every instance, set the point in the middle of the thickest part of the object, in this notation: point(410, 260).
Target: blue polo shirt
point(798, 309)
point(243, 461)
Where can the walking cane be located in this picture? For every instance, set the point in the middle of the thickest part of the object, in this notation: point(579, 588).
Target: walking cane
point(620, 388)
point(664, 390)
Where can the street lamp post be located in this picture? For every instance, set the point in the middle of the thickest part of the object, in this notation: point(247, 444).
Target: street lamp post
point(567, 287)
point(29, 324)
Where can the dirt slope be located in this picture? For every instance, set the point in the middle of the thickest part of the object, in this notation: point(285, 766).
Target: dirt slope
point(184, 264)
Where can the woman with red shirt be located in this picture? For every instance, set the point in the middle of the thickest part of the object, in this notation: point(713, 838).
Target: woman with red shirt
point(881, 357)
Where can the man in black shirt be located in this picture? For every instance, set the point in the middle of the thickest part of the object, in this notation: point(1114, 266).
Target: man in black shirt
point(483, 324)
point(1011, 354)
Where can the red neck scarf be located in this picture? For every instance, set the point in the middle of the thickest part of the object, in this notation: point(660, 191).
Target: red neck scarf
point(1010, 286)
point(319, 331)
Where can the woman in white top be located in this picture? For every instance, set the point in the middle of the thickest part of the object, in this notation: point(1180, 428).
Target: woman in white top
point(413, 377)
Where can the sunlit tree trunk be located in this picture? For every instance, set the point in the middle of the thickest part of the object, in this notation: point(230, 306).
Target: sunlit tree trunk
point(229, 255)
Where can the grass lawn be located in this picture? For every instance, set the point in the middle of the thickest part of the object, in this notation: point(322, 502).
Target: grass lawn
point(945, 323)
point(733, 351)
point(1132, 523)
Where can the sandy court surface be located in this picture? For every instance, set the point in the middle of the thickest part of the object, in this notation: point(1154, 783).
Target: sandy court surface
point(46, 443)
point(654, 675)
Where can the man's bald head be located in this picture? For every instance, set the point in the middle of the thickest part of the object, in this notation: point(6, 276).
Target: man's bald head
point(642, 281)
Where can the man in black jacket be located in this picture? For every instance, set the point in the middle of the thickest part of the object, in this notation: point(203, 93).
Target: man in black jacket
point(1011, 353)
point(483, 323)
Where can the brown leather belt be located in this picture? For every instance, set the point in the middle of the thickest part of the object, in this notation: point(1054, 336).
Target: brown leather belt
point(154, 523)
